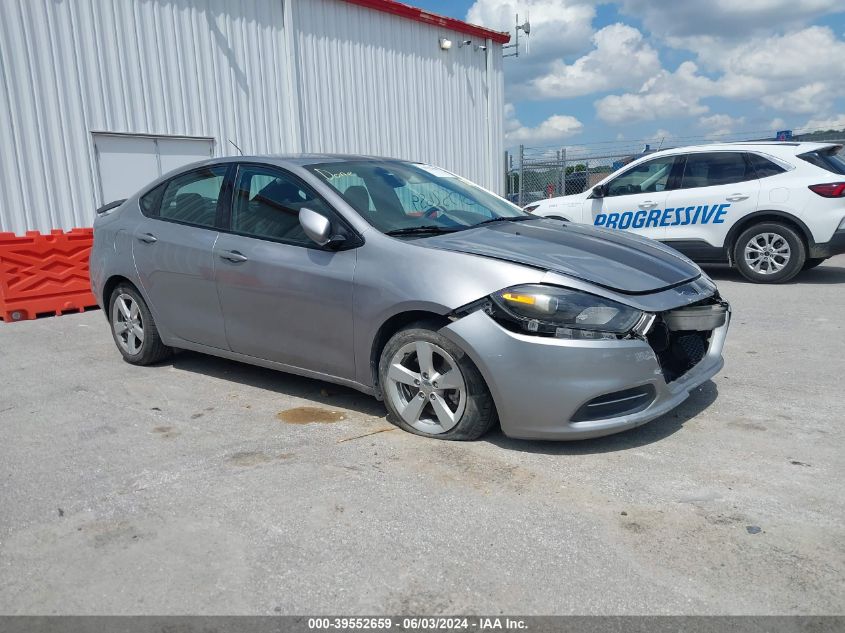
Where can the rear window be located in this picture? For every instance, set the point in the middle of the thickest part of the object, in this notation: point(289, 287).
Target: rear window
point(830, 159)
point(763, 166)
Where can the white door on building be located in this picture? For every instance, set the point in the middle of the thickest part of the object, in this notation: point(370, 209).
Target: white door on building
point(127, 162)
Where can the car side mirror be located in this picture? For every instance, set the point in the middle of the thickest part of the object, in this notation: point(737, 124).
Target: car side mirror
point(599, 191)
point(318, 228)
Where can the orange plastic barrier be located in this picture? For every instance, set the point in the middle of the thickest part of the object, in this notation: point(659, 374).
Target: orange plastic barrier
point(44, 274)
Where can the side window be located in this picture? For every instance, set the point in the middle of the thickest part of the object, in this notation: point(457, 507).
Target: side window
point(150, 201)
point(763, 166)
point(648, 177)
point(709, 169)
point(267, 203)
point(192, 198)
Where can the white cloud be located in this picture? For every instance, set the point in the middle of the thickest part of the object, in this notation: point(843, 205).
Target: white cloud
point(835, 122)
point(666, 95)
point(777, 71)
point(777, 124)
point(718, 125)
point(814, 97)
point(555, 128)
point(558, 27)
point(726, 19)
point(621, 58)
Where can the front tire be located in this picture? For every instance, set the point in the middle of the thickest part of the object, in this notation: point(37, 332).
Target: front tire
point(432, 388)
point(769, 253)
point(133, 328)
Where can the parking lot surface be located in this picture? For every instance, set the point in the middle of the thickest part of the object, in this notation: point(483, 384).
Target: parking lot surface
point(207, 486)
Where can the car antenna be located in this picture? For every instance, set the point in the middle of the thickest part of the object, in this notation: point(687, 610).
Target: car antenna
point(235, 146)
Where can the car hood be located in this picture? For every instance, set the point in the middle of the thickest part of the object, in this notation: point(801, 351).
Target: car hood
point(613, 260)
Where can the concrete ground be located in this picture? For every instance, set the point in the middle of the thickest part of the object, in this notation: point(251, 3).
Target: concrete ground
point(177, 489)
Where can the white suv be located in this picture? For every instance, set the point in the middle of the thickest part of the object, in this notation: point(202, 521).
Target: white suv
point(770, 209)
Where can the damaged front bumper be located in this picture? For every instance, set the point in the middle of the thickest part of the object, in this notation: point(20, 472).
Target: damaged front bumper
point(551, 388)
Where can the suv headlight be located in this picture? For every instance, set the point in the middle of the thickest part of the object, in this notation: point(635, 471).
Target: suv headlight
point(562, 312)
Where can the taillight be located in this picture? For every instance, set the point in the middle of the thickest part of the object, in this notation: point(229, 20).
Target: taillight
point(830, 189)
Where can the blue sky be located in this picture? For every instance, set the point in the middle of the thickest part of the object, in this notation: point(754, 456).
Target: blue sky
point(653, 69)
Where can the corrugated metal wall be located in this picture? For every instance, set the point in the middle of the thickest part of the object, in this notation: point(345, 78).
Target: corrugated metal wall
point(211, 68)
point(375, 83)
point(360, 81)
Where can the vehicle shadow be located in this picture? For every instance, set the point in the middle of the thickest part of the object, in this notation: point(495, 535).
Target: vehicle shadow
point(649, 433)
point(336, 396)
point(321, 392)
point(820, 276)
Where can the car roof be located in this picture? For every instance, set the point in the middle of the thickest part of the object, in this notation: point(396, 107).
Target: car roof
point(775, 148)
point(302, 159)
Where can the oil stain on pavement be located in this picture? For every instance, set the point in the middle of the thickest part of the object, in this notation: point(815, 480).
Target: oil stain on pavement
point(310, 415)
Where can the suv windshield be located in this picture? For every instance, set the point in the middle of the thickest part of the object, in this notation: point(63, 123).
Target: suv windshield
point(413, 199)
point(830, 158)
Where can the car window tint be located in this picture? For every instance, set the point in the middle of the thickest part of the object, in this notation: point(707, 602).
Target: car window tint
point(708, 169)
point(192, 198)
point(763, 167)
point(648, 177)
point(831, 159)
point(150, 201)
point(267, 204)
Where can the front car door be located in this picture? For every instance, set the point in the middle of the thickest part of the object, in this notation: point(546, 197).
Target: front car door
point(715, 190)
point(284, 299)
point(635, 199)
point(172, 248)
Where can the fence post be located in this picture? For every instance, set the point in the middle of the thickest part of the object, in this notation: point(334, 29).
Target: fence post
point(521, 173)
point(563, 183)
point(506, 183)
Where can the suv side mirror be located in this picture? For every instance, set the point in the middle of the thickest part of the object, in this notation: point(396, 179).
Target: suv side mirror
point(599, 191)
point(318, 228)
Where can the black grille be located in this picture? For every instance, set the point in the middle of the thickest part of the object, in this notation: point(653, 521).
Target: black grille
point(677, 352)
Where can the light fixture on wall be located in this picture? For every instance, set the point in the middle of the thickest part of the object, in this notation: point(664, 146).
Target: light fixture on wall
point(481, 47)
point(445, 44)
point(463, 43)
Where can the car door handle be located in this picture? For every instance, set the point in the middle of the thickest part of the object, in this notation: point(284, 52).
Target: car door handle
point(736, 197)
point(147, 238)
point(234, 256)
point(648, 204)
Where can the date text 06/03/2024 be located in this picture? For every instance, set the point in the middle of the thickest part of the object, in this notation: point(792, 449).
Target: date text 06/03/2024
point(682, 216)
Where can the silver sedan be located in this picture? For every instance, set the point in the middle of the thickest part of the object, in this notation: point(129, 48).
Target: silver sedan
point(409, 283)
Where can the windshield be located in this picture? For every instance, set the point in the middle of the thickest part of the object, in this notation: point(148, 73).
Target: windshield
point(413, 199)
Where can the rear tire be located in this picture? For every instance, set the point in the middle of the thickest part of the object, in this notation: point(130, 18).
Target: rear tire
point(769, 253)
point(133, 328)
point(432, 388)
point(815, 261)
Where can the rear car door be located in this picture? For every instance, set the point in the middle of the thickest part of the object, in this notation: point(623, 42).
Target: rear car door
point(284, 298)
point(634, 200)
point(172, 249)
point(715, 190)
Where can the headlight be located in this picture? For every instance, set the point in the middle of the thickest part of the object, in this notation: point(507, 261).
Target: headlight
point(564, 313)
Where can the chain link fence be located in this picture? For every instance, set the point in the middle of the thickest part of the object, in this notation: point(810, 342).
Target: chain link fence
point(534, 173)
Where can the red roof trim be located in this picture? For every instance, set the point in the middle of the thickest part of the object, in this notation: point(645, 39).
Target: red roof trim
point(420, 15)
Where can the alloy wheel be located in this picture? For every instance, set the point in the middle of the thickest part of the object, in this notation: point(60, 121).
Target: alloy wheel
point(767, 253)
point(128, 324)
point(426, 387)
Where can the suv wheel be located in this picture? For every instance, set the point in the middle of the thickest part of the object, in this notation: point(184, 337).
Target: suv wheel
point(432, 388)
point(769, 252)
point(133, 328)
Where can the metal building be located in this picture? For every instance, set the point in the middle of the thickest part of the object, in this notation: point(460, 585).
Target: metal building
point(99, 97)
